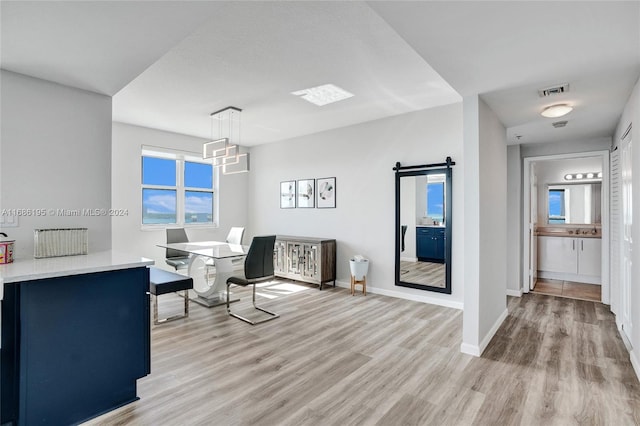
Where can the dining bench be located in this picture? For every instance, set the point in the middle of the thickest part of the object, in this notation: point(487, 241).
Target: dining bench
point(163, 282)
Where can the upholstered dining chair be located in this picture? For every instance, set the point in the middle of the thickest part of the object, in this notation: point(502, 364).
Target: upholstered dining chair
point(258, 267)
point(235, 235)
point(177, 259)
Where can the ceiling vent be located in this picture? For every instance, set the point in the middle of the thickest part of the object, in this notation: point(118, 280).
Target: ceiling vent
point(559, 124)
point(555, 90)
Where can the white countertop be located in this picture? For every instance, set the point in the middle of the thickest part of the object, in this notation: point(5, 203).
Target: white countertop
point(35, 269)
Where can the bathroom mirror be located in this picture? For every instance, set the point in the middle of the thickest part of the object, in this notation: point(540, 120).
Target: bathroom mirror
point(576, 204)
point(423, 228)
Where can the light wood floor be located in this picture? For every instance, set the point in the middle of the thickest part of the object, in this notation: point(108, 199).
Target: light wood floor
point(569, 289)
point(336, 359)
point(427, 273)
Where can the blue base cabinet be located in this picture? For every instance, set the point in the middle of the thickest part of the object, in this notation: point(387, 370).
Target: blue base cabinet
point(430, 244)
point(73, 346)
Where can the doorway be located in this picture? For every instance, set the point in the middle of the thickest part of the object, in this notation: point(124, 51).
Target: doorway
point(566, 225)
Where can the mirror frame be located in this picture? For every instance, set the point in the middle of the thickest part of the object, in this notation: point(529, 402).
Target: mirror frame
point(447, 221)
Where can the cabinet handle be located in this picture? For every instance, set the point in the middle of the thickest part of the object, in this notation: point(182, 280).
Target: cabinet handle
point(582, 245)
point(574, 244)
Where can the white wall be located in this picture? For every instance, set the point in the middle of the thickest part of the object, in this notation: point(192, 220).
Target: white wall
point(514, 220)
point(631, 115)
point(127, 230)
point(361, 157)
point(515, 173)
point(566, 147)
point(485, 225)
point(55, 154)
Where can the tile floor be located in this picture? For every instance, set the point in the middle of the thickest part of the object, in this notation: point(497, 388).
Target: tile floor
point(568, 289)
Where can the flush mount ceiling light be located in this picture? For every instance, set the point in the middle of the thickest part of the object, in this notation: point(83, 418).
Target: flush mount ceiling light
point(224, 148)
point(583, 176)
point(323, 95)
point(555, 111)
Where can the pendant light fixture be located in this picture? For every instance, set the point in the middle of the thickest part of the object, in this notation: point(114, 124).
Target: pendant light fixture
point(224, 147)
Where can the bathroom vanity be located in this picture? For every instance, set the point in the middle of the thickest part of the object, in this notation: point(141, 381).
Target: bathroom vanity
point(570, 256)
point(430, 243)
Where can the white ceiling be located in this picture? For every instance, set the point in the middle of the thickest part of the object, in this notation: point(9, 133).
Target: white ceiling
point(505, 51)
point(98, 46)
point(253, 55)
point(178, 61)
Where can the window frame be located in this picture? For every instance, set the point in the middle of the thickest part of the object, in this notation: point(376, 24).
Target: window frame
point(180, 157)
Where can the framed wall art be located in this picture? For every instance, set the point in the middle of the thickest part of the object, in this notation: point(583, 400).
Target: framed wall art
point(306, 189)
point(288, 194)
point(326, 193)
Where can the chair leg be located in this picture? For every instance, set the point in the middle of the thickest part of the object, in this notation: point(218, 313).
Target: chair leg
point(273, 314)
point(247, 320)
point(155, 309)
point(157, 320)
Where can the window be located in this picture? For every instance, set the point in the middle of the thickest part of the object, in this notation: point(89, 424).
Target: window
point(435, 197)
point(556, 206)
point(176, 189)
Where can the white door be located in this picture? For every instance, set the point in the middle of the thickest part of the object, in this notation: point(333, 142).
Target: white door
point(615, 235)
point(558, 254)
point(627, 242)
point(589, 256)
point(533, 240)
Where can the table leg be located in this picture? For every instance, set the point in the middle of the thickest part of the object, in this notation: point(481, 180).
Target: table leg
point(213, 294)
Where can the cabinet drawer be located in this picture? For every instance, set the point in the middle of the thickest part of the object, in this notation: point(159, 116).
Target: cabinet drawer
point(429, 231)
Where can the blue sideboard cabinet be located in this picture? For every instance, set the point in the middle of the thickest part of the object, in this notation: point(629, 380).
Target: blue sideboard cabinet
point(73, 346)
point(430, 243)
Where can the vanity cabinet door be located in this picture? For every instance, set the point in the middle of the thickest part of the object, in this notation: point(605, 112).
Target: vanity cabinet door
point(589, 259)
point(557, 254)
point(423, 243)
point(439, 243)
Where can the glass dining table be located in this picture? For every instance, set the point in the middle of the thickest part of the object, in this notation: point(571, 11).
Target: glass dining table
point(205, 255)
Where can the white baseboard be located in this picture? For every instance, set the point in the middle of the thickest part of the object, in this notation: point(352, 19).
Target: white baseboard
point(476, 350)
point(409, 259)
point(401, 295)
point(468, 349)
point(635, 363)
point(514, 293)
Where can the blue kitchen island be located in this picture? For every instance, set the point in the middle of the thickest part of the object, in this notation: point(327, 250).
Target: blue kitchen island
point(75, 336)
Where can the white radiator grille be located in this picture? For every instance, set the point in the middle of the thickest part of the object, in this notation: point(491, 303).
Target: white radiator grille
point(60, 242)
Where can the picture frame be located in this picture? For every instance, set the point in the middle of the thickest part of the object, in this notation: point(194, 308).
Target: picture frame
point(326, 193)
point(288, 194)
point(306, 193)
